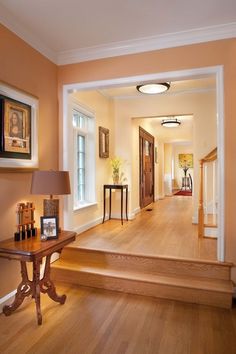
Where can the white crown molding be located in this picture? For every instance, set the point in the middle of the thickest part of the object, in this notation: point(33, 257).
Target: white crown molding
point(168, 40)
point(199, 35)
point(9, 21)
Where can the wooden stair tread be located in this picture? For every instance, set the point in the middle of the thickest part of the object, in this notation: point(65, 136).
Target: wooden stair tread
point(157, 257)
point(161, 278)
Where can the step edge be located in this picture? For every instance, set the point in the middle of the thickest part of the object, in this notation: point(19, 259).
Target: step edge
point(168, 258)
point(121, 276)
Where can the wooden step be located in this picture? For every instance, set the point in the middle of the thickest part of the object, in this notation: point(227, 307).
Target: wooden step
point(148, 264)
point(194, 290)
point(194, 281)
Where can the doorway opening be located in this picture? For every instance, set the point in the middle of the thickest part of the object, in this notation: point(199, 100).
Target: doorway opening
point(217, 72)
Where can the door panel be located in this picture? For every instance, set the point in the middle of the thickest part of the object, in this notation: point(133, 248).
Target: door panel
point(146, 172)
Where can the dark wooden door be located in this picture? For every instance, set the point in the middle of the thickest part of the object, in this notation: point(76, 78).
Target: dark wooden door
point(146, 167)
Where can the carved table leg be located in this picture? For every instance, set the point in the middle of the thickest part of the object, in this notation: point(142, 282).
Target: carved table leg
point(36, 288)
point(47, 286)
point(24, 289)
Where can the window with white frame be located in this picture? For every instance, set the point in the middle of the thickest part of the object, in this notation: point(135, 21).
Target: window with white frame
point(84, 157)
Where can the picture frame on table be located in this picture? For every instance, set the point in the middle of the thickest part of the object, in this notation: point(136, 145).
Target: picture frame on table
point(49, 227)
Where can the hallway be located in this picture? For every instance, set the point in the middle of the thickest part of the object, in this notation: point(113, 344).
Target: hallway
point(166, 230)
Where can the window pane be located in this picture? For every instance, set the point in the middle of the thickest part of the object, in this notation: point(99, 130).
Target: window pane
point(82, 122)
point(84, 141)
point(81, 143)
point(75, 119)
point(81, 192)
point(81, 176)
point(81, 160)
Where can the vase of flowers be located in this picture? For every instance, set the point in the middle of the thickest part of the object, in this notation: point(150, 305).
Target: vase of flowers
point(116, 163)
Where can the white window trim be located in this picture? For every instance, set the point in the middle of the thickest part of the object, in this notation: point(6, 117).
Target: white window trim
point(90, 163)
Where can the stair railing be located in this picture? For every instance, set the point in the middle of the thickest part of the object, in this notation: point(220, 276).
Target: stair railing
point(211, 157)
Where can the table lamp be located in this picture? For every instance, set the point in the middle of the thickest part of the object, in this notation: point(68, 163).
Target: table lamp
point(50, 183)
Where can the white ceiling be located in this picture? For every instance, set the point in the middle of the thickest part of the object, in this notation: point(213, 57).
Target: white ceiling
point(76, 30)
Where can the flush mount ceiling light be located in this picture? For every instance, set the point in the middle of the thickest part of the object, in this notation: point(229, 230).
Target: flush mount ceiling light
point(152, 89)
point(170, 122)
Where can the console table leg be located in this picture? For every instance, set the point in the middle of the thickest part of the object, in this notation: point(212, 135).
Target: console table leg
point(24, 289)
point(36, 288)
point(47, 286)
point(110, 203)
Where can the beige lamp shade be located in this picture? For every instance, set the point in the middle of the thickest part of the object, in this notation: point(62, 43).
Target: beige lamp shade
point(50, 183)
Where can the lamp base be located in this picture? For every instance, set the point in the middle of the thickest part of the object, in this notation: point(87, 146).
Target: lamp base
point(51, 208)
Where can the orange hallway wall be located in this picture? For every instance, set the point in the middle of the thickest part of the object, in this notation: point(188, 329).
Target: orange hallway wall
point(221, 52)
point(25, 69)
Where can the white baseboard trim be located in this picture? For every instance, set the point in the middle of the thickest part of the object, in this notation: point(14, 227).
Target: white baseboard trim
point(98, 221)
point(88, 226)
point(7, 299)
point(159, 197)
point(134, 213)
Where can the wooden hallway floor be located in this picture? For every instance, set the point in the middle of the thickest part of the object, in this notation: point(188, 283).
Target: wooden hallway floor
point(95, 321)
point(166, 230)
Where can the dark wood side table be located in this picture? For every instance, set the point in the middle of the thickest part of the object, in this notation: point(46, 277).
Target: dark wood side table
point(122, 188)
point(33, 250)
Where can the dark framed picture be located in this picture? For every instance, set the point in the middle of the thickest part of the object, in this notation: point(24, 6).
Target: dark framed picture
point(103, 142)
point(15, 129)
point(49, 227)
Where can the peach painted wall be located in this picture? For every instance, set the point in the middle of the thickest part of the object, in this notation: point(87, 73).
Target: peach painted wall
point(181, 58)
point(27, 70)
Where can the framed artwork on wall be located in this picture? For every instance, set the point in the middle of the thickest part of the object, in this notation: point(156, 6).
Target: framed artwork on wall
point(186, 160)
point(103, 142)
point(15, 129)
point(18, 130)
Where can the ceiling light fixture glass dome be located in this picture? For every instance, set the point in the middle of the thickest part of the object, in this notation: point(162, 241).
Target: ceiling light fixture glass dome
point(170, 122)
point(155, 88)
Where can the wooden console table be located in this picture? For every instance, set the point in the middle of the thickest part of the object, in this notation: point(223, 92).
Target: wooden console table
point(33, 250)
point(121, 187)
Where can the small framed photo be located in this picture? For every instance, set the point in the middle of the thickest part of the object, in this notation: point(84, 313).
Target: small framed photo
point(49, 227)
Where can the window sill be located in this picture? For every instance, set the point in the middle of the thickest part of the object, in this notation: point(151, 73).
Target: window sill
point(83, 206)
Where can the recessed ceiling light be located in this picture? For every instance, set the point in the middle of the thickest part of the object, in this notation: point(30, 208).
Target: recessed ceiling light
point(152, 89)
point(170, 122)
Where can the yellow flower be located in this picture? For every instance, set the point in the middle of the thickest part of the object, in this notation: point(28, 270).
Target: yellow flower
point(116, 163)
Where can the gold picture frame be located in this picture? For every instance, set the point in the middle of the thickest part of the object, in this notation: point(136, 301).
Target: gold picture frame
point(15, 129)
point(18, 139)
point(103, 142)
point(186, 160)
